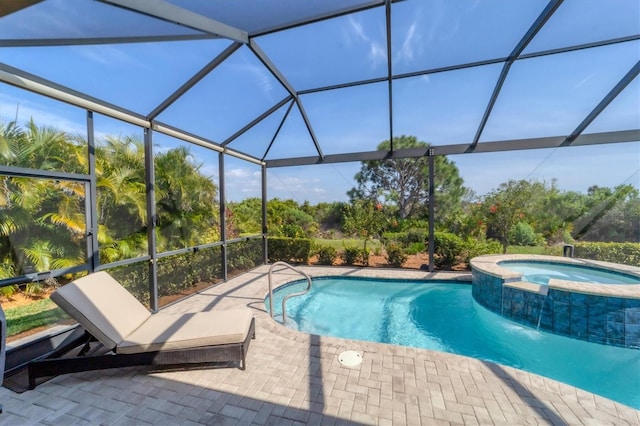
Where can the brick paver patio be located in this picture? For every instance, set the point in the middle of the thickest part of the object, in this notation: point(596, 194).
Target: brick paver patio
point(294, 378)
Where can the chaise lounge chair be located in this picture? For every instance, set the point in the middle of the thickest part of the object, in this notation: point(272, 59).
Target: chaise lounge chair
point(134, 336)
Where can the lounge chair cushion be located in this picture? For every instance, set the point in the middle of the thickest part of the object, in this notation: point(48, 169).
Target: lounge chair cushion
point(102, 306)
point(180, 331)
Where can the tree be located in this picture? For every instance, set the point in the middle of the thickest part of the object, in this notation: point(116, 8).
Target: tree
point(45, 148)
point(365, 219)
point(612, 215)
point(121, 203)
point(247, 215)
point(404, 183)
point(508, 205)
point(41, 220)
point(555, 218)
point(285, 218)
point(329, 216)
point(186, 201)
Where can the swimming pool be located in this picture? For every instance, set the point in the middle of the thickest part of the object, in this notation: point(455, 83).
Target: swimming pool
point(542, 272)
point(441, 315)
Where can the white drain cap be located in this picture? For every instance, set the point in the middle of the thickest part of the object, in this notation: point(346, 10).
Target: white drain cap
point(350, 358)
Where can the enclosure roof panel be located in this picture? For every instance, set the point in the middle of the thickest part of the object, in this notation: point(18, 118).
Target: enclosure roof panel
point(258, 17)
point(78, 19)
point(330, 80)
point(585, 21)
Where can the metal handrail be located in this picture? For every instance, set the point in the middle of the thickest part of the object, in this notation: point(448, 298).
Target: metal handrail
point(284, 300)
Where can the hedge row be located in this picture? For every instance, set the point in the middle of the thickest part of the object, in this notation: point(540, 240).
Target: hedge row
point(625, 253)
point(295, 250)
point(180, 274)
point(450, 250)
point(177, 274)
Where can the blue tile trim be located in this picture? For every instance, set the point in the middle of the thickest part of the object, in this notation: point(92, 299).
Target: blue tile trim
point(599, 319)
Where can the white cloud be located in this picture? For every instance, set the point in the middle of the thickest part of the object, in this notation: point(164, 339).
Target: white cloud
point(239, 173)
point(242, 183)
point(377, 51)
point(260, 75)
point(407, 50)
point(105, 55)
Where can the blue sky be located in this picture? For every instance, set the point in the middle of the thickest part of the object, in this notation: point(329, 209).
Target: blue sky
point(545, 96)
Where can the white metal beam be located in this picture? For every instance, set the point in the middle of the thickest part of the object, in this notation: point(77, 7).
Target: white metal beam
point(23, 80)
point(166, 11)
point(165, 129)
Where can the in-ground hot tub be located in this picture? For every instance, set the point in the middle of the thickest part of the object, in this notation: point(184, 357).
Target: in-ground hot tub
point(584, 299)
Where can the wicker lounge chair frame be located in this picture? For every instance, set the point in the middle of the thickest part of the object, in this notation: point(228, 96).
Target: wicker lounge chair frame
point(198, 355)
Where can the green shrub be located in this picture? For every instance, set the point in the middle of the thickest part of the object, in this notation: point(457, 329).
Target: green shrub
point(477, 247)
point(552, 250)
point(388, 237)
point(408, 237)
point(289, 249)
point(523, 234)
point(180, 274)
point(351, 255)
point(243, 255)
point(448, 247)
point(395, 254)
point(363, 257)
point(135, 278)
point(8, 291)
point(327, 255)
point(415, 248)
point(34, 289)
point(625, 253)
point(566, 237)
point(417, 235)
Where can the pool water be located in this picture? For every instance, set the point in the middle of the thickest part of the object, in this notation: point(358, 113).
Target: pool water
point(442, 316)
point(541, 272)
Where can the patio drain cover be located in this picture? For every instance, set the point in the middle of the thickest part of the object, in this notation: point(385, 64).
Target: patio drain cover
point(350, 358)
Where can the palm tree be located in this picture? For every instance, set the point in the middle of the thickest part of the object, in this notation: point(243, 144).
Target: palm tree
point(186, 200)
point(121, 203)
point(34, 211)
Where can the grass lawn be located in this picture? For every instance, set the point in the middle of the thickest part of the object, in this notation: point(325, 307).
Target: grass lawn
point(347, 242)
point(36, 314)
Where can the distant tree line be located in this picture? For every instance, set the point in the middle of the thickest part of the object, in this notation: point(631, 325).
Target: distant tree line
point(42, 220)
point(393, 196)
